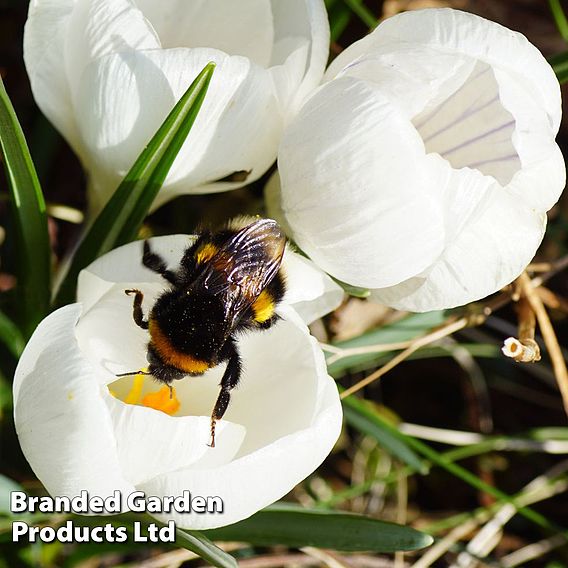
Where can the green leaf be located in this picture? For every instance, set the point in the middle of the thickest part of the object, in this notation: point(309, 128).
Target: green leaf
point(361, 416)
point(34, 253)
point(354, 291)
point(559, 18)
point(445, 461)
point(339, 18)
point(364, 14)
point(6, 398)
point(202, 546)
point(560, 65)
point(550, 433)
point(296, 527)
point(119, 221)
point(480, 350)
point(404, 330)
point(11, 336)
point(6, 487)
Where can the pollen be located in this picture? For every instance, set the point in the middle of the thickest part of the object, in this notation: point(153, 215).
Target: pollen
point(163, 400)
point(136, 390)
point(206, 252)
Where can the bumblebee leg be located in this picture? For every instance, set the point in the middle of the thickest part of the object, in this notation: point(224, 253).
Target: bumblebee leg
point(156, 263)
point(137, 308)
point(130, 373)
point(229, 381)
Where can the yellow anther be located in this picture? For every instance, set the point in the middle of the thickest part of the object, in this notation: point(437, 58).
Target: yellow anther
point(136, 391)
point(164, 400)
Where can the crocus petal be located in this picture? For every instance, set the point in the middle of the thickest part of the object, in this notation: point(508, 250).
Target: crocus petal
point(44, 52)
point(281, 447)
point(288, 75)
point(301, 23)
point(61, 419)
point(133, 93)
point(99, 27)
point(151, 443)
point(309, 291)
point(454, 30)
point(237, 28)
point(328, 188)
point(120, 347)
point(505, 243)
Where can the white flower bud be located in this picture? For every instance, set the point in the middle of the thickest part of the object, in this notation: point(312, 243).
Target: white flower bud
point(424, 167)
point(107, 73)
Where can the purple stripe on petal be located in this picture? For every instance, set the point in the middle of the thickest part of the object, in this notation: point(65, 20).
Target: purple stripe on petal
point(492, 161)
point(476, 138)
point(465, 114)
point(435, 111)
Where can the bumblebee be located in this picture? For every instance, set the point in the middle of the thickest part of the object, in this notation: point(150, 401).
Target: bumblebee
point(227, 282)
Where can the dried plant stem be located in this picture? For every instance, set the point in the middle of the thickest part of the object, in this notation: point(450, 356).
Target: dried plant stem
point(552, 300)
point(175, 558)
point(340, 353)
point(448, 329)
point(549, 336)
point(527, 319)
point(543, 487)
point(495, 303)
point(539, 267)
point(532, 551)
point(401, 512)
point(524, 349)
point(555, 267)
point(302, 560)
point(499, 443)
point(326, 557)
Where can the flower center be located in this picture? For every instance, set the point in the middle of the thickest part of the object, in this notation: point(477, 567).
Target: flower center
point(165, 399)
point(471, 127)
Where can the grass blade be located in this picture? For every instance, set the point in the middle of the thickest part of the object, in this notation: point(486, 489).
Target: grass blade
point(460, 472)
point(360, 415)
point(296, 527)
point(364, 14)
point(202, 546)
point(119, 221)
point(34, 253)
point(11, 336)
point(354, 291)
point(406, 329)
point(339, 18)
point(560, 65)
point(559, 18)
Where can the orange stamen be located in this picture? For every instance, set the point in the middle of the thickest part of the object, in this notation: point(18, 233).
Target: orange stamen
point(163, 400)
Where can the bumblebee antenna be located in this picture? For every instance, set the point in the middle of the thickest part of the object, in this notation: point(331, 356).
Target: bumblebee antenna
point(132, 373)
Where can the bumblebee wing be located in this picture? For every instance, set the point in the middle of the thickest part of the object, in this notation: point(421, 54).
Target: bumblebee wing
point(244, 266)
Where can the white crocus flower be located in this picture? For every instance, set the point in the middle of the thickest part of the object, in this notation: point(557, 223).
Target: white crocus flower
point(81, 428)
point(423, 168)
point(107, 72)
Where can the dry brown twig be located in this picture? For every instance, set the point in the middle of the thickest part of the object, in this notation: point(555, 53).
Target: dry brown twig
point(552, 300)
point(454, 325)
point(414, 346)
point(549, 336)
point(524, 349)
